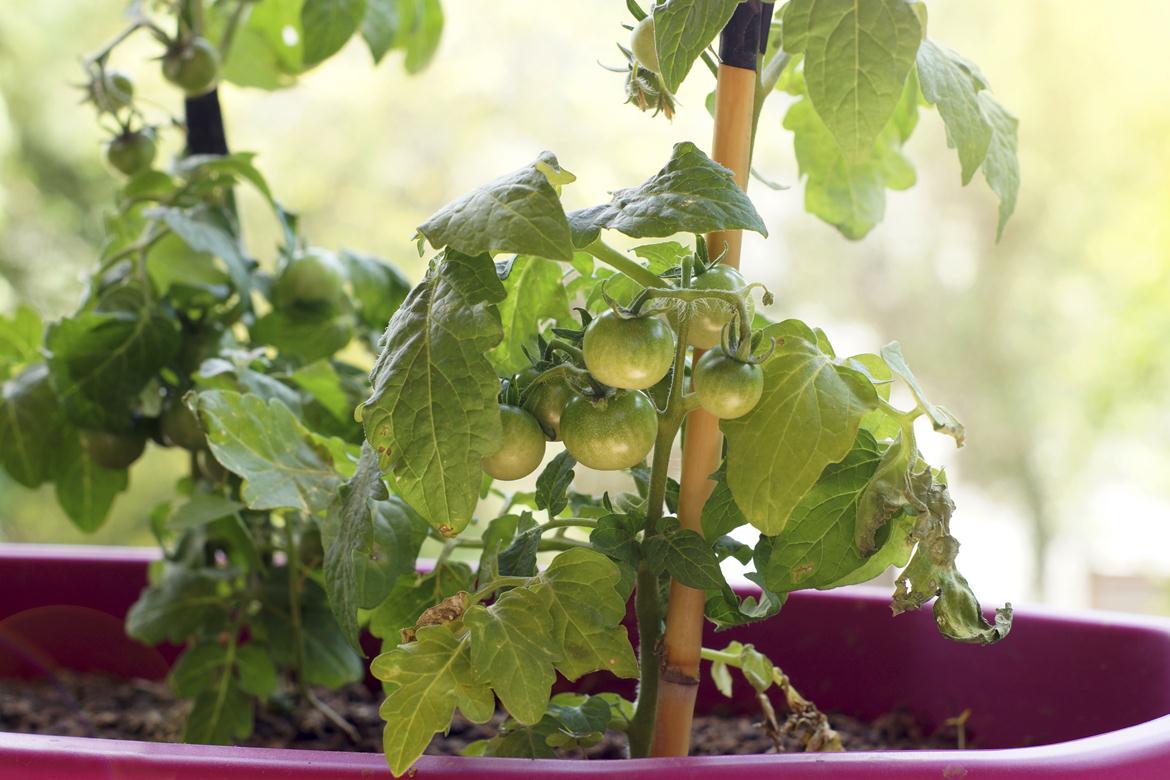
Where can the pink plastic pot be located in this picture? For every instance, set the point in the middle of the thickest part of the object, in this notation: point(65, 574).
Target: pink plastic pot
point(1070, 696)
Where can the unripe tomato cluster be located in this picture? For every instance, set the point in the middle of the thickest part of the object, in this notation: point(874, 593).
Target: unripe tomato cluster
point(192, 64)
point(614, 427)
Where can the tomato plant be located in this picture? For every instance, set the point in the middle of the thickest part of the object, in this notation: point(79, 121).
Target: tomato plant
point(301, 520)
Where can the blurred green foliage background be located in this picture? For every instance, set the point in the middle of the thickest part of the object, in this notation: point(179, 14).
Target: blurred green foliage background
point(1050, 345)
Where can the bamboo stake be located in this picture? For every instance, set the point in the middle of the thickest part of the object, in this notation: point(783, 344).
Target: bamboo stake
point(735, 94)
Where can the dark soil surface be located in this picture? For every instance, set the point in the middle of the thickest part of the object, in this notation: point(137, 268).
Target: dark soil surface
point(94, 706)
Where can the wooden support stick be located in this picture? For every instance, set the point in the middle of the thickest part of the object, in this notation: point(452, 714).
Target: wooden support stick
point(702, 442)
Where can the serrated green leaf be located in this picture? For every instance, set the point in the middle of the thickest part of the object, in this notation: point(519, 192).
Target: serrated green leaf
point(102, 358)
point(330, 660)
point(686, 556)
point(219, 716)
point(536, 297)
point(282, 465)
point(691, 194)
point(183, 602)
point(378, 287)
point(433, 414)
point(346, 533)
point(807, 418)
point(720, 514)
point(267, 50)
point(32, 427)
point(414, 26)
point(20, 340)
point(201, 509)
point(304, 336)
point(519, 212)
point(414, 593)
point(952, 83)
point(85, 490)
point(727, 610)
point(426, 680)
point(204, 231)
point(553, 483)
point(255, 670)
point(682, 30)
point(326, 26)
point(942, 420)
point(518, 557)
point(1001, 168)
point(587, 610)
point(850, 194)
point(816, 548)
point(198, 669)
point(856, 59)
point(512, 650)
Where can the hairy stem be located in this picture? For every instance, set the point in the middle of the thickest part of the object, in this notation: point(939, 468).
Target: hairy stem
point(617, 260)
point(649, 614)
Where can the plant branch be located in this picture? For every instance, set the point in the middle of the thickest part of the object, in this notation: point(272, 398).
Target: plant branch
point(619, 261)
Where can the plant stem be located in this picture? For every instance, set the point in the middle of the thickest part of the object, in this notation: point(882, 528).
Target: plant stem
point(735, 97)
point(647, 606)
point(298, 631)
point(649, 613)
point(615, 259)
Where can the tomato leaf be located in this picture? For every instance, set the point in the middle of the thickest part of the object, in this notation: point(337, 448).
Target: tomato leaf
point(691, 194)
point(536, 296)
point(414, 26)
point(268, 47)
point(807, 418)
point(85, 490)
point(183, 602)
point(426, 680)
point(519, 212)
point(198, 668)
point(32, 427)
point(378, 287)
point(257, 674)
point(856, 60)
point(330, 660)
point(432, 415)
point(512, 648)
point(345, 533)
point(413, 593)
point(20, 340)
point(1001, 168)
point(932, 572)
point(553, 483)
point(816, 548)
point(953, 83)
point(685, 555)
point(587, 610)
point(942, 420)
point(282, 464)
point(326, 26)
point(219, 716)
point(682, 30)
point(102, 358)
point(850, 193)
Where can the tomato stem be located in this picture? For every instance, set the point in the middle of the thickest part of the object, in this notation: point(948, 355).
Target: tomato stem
point(619, 261)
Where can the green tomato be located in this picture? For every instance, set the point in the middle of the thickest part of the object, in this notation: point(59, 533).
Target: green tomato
point(112, 91)
point(313, 280)
point(521, 446)
point(181, 427)
point(726, 387)
point(192, 66)
point(546, 402)
point(113, 450)
point(709, 317)
point(642, 44)
point(628, 353)
point(610, 433)
point(524, 377)
point(131, 152)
